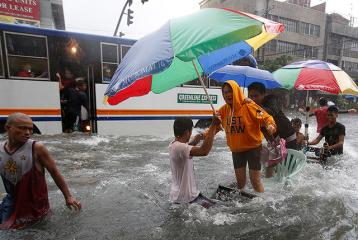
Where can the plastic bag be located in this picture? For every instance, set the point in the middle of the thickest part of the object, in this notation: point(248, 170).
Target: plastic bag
point(84, 113)
point(274, 153)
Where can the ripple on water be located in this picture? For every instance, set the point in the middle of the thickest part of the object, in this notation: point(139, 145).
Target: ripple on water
point(124, 182)
point(93, 140)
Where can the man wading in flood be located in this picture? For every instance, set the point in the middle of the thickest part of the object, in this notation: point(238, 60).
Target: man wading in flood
point(333, 133)
point(181, 153)
point(22, 168)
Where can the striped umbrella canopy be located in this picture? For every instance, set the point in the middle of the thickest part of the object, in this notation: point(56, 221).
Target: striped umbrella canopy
point(316, 75)
point(187, 47)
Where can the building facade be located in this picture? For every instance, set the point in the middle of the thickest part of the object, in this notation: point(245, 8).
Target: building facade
point(52, 15)
point(341, 44)
point(304, 26)
point(41, 13)
point(310, 33)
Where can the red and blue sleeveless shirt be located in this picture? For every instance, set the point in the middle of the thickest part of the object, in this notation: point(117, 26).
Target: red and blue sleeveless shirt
point(25, 184)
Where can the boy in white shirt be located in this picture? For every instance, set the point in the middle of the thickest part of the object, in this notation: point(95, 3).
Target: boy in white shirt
point(181, 151)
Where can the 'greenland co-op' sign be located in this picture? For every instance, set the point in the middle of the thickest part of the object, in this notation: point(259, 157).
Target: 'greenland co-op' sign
point(20, 11)
point(196, 98)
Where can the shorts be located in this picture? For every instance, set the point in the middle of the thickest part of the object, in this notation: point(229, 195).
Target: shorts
point(252, 157)
point(203, 201)
point(6, 208)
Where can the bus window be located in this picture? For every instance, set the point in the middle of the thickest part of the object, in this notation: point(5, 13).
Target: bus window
point(2, 74)
point(215, 84)
point(26, 56)
point(196, 82)
point(110, 60)
point(124, 50)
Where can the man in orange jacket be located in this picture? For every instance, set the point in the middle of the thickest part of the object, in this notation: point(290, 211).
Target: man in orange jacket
point(242, 121)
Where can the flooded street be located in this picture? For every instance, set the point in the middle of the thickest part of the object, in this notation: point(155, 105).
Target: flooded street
point(123, 184)
point(126, 69)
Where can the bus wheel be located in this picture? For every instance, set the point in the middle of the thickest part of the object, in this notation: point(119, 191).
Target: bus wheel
point(2, 126)
point(203, 123)
point(36, 130)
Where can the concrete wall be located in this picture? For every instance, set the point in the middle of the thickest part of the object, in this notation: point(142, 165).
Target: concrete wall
point(241, 5)
point(47, 19)
point(344, 30)
point(340, 37)
point(301, 14)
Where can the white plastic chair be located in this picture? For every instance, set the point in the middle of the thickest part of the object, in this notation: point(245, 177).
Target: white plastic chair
point(293, 164)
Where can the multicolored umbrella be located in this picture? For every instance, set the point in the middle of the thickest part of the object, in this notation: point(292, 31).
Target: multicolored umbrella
point(316, 75)
point(245, 75)
point(186, 48)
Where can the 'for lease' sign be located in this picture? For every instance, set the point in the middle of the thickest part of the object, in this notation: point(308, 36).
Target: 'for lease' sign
point(20, 11)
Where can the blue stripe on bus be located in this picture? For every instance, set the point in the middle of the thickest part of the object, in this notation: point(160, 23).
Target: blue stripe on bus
point(39, 119)
point(129, 118)
point(126, 118)
point(61, 33)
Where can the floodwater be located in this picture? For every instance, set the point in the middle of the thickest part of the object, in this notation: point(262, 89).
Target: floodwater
point(123, 184)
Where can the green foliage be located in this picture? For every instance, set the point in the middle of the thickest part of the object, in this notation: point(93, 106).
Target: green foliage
point(273, 65)
point(343, 103)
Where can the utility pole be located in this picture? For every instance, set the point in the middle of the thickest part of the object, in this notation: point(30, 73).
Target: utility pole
point(267, 9)
point(128, 2)
point(351, 20)
point(341, 53)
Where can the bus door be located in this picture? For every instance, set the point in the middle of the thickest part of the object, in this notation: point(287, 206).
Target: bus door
point(74, 61)
point(91, 93)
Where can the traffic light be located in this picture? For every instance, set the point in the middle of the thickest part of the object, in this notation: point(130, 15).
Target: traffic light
point(129, 17)
point(143, 1)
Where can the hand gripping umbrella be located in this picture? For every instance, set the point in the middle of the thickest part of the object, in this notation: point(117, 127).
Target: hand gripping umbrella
point(186, 48)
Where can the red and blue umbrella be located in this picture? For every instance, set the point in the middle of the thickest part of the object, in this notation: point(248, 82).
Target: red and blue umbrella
point(188, 47)
point(245, 75)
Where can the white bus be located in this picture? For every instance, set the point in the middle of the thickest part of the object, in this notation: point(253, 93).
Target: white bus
point(31, 59)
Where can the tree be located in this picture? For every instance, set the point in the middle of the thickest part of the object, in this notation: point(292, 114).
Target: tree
point(273, 65)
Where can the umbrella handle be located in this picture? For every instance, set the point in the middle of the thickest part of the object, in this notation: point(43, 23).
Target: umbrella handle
point(307, 115)
point(206, 91)
point(203, 85)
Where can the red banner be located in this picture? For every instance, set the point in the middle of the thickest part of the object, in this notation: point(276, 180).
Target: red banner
point(24, 9)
